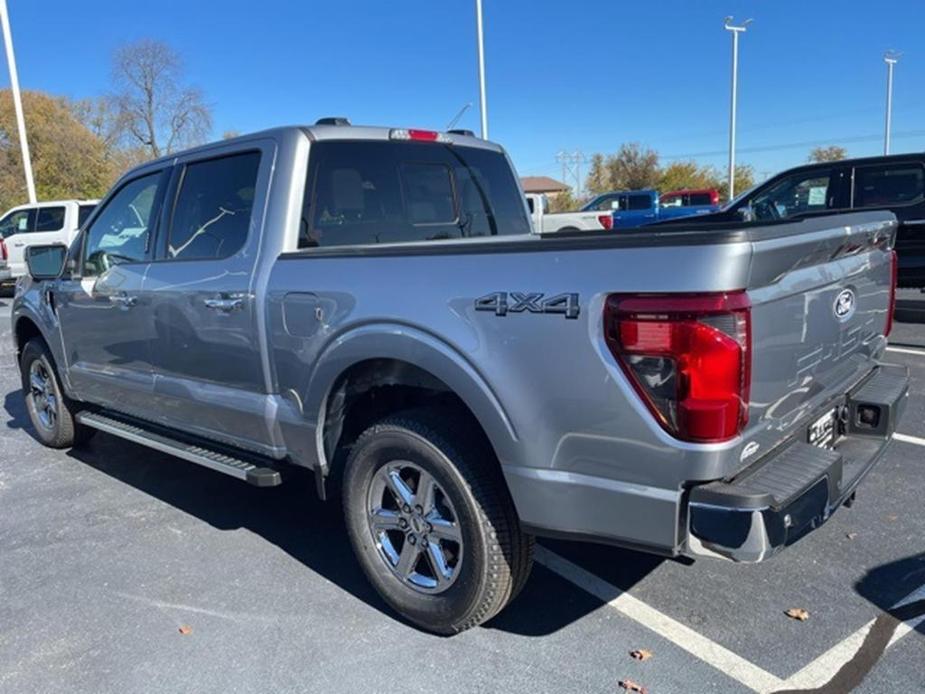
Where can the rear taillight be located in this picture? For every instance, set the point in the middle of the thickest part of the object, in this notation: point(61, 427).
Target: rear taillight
point(894, 276)
point(3, 255)
point(606, 221)
point(689, 358)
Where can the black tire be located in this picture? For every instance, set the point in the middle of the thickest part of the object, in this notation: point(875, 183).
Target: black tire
point(60, 431)
point(495, 556)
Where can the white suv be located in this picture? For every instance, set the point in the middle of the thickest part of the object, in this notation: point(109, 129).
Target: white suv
point(41, 223)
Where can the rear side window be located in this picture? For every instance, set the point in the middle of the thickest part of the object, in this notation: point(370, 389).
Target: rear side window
point(212, 214)
point(700, 199)
point(18, 222)
point(895, 184)
point(390, 192)
point(83, 213)
point(639, 202)
point(49, 219)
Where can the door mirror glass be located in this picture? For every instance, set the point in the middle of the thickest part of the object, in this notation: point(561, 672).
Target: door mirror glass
point(45, 262)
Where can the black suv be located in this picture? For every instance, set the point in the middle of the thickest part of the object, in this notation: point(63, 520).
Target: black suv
point(895, 183)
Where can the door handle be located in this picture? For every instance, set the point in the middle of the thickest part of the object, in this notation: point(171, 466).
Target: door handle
point(123, 300)
point(225, 305)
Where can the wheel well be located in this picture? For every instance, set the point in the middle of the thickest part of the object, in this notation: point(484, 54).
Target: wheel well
point(25, 331)
point(371, 390)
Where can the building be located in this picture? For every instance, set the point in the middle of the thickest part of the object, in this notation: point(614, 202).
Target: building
point(543, 184)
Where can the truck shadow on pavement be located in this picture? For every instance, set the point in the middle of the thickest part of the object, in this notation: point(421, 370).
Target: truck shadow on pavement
point(312, 531)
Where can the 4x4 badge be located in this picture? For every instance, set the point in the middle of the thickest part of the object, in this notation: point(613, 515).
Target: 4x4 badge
point(503, 303)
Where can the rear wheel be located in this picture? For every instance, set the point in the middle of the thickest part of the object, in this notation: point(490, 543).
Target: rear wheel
point(432, 524)
point(50, 410)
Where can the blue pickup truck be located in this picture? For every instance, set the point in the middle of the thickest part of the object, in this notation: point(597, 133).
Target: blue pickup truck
point(634, 208)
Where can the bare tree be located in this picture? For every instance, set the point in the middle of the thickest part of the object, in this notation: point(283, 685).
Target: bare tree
point(822, 154)
point(156, 110)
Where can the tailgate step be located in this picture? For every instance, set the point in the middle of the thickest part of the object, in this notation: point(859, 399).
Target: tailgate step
point(221, 462)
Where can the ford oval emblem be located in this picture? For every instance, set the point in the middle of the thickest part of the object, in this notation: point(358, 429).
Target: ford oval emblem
point(845, 303)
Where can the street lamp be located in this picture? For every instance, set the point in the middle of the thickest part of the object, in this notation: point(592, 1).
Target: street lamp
point(17, 100)
point(736, 30)
point(890, 58)
point(483, 105)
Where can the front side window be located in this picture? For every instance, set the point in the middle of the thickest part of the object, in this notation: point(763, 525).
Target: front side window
point(389, 192)
point(18, 222)
point(671, 201)
point(49, 219)
point(119, 234)
point(894, 184)
point(794, 195)
point(212, 215)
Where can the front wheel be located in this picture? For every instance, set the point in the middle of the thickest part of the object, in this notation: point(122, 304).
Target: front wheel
point(51, 411)
point(432, 524)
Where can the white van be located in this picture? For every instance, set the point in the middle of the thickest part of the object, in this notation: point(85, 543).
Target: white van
point(41, 223)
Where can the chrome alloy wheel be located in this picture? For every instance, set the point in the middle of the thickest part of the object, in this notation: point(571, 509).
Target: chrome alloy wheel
point(44, 397)
point(415, 527)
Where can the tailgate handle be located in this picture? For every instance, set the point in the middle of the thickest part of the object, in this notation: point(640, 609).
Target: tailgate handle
point(225, 305)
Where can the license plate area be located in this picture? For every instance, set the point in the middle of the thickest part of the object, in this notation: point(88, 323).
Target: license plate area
point(824, 431)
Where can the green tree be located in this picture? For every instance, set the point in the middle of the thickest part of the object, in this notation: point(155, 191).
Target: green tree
point(598, 180)
point(633, 167)
point(566, 201)
point(682, 175)
point(744, 179)
point(823, 154)
point(68, 160)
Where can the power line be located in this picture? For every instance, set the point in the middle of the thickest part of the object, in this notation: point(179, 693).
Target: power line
point(571, 167)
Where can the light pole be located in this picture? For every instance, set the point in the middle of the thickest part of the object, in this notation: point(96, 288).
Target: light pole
point(736, 30)
point(483, 105)
point(890, 58)
point(17, 100)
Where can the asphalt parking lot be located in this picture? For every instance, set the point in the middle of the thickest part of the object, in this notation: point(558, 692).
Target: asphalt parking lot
point(107, 552)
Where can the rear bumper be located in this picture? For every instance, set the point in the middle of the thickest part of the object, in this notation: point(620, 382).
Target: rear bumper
point(797, 488)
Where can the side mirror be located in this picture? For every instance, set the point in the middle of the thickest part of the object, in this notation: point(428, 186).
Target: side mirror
point(46, 262)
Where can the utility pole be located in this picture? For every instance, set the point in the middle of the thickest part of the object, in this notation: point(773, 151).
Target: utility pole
point(17, 101)
point(890, 58)
point(483, 104)
point(735, 30)
point(571, 167)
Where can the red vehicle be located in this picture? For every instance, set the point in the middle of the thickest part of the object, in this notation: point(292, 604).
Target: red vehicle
point(703, 199)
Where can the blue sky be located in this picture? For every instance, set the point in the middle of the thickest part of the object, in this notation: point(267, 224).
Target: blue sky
point(585, 74)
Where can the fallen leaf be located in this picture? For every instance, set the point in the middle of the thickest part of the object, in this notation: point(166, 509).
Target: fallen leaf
point(631, 686)
point(797, 613)
point(641, 654)
point(185, 630)
point(851, 536)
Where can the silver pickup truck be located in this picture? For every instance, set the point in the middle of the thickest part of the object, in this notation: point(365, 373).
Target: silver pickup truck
point(370, 304)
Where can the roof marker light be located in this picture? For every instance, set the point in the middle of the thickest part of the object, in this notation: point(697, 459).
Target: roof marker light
point(418, 135)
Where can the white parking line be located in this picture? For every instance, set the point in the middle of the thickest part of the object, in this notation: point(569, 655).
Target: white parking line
point(815, 674)
point(696, 644)
point(906, 350)
point(905, 438)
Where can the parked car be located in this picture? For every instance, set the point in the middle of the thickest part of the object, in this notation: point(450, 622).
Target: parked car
point(42, 223)
point(370, 304)
point(635, 208)
point(894, 183)
point(5, 273)
point(545, 222)
point(683, 203)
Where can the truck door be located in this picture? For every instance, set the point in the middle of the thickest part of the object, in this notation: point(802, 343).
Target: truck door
point(899, 187)
point(105, 325)
point(210, 376)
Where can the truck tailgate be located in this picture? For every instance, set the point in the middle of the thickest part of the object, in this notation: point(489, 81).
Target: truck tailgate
point(820, 303)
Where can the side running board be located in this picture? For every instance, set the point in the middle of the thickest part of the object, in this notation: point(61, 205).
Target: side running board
point(221, 462)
